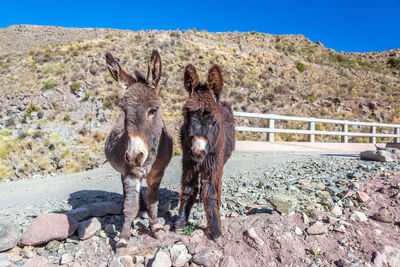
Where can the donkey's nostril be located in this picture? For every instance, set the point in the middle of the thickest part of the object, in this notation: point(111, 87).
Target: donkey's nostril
point(140, 155)
point(127, 157)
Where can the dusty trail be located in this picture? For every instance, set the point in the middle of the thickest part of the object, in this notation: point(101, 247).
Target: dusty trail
point(38, 192)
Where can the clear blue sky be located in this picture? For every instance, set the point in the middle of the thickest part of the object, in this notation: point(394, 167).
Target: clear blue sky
point(350, 25)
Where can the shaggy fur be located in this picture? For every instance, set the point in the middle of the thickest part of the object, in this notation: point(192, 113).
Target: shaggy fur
point(205, 118)
point(139, 118)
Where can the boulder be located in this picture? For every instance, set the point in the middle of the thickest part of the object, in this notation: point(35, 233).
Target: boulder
point(179, 255)
point(9, 233)
point(283, 204)
point(382, 155)
point(103, 208)
point(47, 227)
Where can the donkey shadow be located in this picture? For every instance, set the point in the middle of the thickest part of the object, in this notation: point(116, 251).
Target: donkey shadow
point(84, 198)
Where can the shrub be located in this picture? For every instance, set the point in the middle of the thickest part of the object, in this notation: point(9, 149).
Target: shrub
point(66, 117)
point(300, 67)
point(75, 53)
point(394, 63)
point(75, 85)
point(189, 229)
point(49, 85)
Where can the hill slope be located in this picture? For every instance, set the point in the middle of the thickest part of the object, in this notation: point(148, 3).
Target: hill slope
point(58, 100)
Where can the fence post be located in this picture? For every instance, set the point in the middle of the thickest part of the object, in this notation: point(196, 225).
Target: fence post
point(373, 131)
point(397, 132)
point(345, 129)
point(311, 127)
point(271, 126)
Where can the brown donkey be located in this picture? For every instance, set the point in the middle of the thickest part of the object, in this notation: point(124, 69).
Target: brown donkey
point(139, 145)
point(208, 139)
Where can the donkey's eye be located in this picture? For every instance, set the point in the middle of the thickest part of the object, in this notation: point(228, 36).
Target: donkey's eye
point(152, 112)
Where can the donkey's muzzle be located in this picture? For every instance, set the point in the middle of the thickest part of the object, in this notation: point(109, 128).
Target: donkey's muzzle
point(199, 148)
point(137, 151)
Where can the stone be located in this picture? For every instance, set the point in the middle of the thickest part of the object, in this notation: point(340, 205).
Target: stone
point(383, 215)
point(126, 261)
point(9, 233)
point(179, 255)
point(377, 259)
point(103, 208)
point(317, 228)
point(362, 196)
point(161, 260)
point(79, 214)
point(206, 258)
point(47, 227)
point(37, 261)
point(298, 231)
point(337, 211)
point(66, 258)
point(283, 204)
point(5, 263)
point(378, 155)
point(197, 236)
point(251, 233)
point(339, 228)
point(228, 262)
point(88, 228)
point(358, 216)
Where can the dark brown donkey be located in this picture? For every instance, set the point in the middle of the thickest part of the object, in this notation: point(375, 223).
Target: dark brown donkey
point(208, 139)
point(139, 145)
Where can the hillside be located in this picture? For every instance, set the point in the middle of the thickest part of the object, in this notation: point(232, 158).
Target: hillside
point(58, 101)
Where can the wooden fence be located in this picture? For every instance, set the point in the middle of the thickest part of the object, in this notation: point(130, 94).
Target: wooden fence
point(311, 132)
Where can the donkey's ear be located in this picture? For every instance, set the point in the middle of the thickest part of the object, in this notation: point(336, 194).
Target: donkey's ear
point(118, 73)
point(154, 70)
point(215, 80)
point(191, 78)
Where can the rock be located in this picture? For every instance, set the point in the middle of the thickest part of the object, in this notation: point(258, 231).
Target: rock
point(161, 260)
point(79, 214)
point(377, 259)
point(88, 228)
point(362, 196)
point(126, 261)
point(317, 228)
point(197, 236)
point(298, 231)
point(378, 155)
point(336, 211)
point(340, 228)
point(100, 209)
point(66, 258)
point(283, 204)
point(253, 240)
point(206, 258)
point(228, 262)
point(179, 255)
point(383, 215)
point(5, 263)
point(53, 246)
point(9, 233)
point(358, 216)
point(36, 262)
point(47, 227)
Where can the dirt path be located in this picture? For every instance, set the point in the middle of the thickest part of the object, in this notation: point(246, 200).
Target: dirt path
point(38, 192)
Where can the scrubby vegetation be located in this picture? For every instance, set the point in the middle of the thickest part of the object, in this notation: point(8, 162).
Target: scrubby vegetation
point(60, 101)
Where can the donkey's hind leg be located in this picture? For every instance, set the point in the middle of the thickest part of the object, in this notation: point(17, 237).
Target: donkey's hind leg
point(131, 186)
point(188, 195)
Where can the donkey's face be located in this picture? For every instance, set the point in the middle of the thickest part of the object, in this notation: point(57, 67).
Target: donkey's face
point(201, 111)
point(140, 104)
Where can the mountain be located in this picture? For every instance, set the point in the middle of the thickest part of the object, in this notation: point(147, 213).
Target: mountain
point(58, 100)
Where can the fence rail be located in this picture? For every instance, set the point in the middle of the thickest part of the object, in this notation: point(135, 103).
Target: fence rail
point(311, 132)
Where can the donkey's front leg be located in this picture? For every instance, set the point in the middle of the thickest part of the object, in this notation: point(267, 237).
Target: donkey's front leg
point(188, 194)
point(131, 186)
point(211, 198)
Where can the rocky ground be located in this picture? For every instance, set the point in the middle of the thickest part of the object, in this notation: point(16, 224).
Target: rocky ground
point(307, 210)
